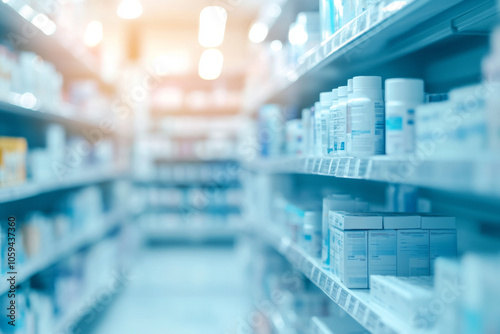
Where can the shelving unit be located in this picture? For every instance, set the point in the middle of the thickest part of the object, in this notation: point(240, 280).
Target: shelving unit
point(66, 248)
point(475, 177)
point(374, 41)
point(32, 189)
point(356, 302)
point(194, 234)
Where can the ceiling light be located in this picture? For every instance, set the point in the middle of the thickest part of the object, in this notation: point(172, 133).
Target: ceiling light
point(93, 34)
point(129, 9)
point(258, 32)
point(276, 45)
point(212, 26)
point(210, 66)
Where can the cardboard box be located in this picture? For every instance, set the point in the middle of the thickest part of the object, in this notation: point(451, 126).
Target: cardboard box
point(355, 221)
point(413, 252)
point(352, 258)
point(382, 252)
point(397, 221)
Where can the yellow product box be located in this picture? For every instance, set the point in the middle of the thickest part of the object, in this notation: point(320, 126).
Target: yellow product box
point(12, 161)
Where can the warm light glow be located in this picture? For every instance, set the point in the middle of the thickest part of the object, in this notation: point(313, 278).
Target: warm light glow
point(172, 63)
point(276, 45)
point(93, 34)
point(212, 26)
point(258, 32)
point(129, 9)
point(211, 62)
point(297, 35)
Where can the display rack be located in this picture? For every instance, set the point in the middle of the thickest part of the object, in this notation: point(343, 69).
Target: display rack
point(469, 176)
point(356, 302)
point(32, 189)
point(193, 234)
point(67, 247)
point(67, 114)
point(387, 31)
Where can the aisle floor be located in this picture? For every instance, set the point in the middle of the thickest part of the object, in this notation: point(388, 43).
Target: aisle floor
point(180, 290)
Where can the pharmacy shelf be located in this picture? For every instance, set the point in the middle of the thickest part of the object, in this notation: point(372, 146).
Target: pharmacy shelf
point(32, 189)
point(385, 32)
point(159, 182)
point(477, 176)
point(15, 104)
point(65, 248)
point(193, 233)
point(29, 28)
point(91, 300)
point(356, 302)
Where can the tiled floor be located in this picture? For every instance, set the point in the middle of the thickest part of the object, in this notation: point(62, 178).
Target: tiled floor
point(181, 290)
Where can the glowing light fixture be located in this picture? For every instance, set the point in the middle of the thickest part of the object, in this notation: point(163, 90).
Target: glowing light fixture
point(258, 32)
point(129, 9)
point(297, 35)
point(93, 34)
point(212, 26)
point(276, 45)
point(210, 66)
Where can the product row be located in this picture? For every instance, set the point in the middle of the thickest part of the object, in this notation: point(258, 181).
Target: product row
point(356, 120)
point(27, 73)
point(55, 299)
point(80, 213)
point(195, 198)
point(190, 220)
point(56, 155)
point(213, 174)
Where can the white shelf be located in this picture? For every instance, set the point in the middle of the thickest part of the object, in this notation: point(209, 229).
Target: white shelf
point(478, 176)
point(31, 189)
point(387, 31)
point(68, 246)
point(356, 302)
point(11, 103)
point(193, 233)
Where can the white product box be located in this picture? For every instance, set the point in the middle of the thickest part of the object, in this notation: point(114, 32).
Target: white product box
point(406, 297)
point(395, 221)
point(442, 243)
point(413, 252)
point(334, 249)
point(382, 252)
point(442, 237)
point(355, 221)
point(352, 258)
point(448, 289)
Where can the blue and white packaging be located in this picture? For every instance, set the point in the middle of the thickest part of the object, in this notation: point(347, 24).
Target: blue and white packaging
point(413, 252)
point(382, 252)
point(442, 237)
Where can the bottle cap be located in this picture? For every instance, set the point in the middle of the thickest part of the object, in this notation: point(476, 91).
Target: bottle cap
point(410, 90)
point(349, 86)
point(326, 97)
point(335, 93)
point(372, 83)
point(342, 91)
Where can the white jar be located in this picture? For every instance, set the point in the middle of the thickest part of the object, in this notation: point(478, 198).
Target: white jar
point(312, 233)
point(348, 125)
point(402, 97)
point(326, 100)
point(367, 117)
point(317, 129)
point(340, 123)
point(331, 123)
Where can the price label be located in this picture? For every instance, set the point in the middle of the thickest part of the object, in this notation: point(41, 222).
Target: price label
point(363, 168)
point(333, 167)
point(317, 165)
point(325, 166)
point(341, 168)
point(353, 168)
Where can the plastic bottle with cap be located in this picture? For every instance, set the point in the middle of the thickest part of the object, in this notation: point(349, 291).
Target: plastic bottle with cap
point(306, 126)
point(331, 122)
point(348, 125)
point(367, 117)
point(402, 96)
point(340, 123)
point(326, 100)
point(312, 233)
point(317, 129)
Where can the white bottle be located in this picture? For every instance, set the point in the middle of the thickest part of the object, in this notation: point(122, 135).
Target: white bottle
point(340, 123)
point(326, 100)
point(402, 96)
point(317, 129)
point(306, 125)
point(331, 122)
point(367, 117)
point(348, 124)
